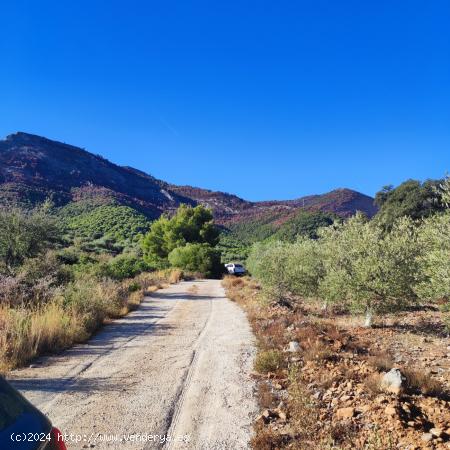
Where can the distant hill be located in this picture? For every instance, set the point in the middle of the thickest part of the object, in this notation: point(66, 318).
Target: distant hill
point(33, 168)
point(229, 209)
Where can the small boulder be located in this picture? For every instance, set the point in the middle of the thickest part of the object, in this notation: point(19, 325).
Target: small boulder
point(293, 347)
point(427, 437)
point(393, 381)
point(345, 413)
point(436, 432)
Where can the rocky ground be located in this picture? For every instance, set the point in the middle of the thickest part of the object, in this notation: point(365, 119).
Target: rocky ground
point(326, 382)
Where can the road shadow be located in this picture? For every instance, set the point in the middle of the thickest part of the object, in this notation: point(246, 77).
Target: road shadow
point(68, 384)
point(186, 296)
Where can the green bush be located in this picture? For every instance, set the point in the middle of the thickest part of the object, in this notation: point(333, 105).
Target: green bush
point(268, 361)
point(188, 226)
point(94, 300)
point(122, 267)
point(267, 261)
point(410, 199)
point(197, 258)
point(303, 224)
point(287, 268)
point(25, 235)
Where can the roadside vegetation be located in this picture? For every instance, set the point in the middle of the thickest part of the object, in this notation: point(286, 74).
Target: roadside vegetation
point(65, 273)
point(352, 328)
point(387, 264)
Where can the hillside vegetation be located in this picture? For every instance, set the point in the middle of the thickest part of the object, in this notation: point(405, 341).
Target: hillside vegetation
point(237, 239)
point(106, 226)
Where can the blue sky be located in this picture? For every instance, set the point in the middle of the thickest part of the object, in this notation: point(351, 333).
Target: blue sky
point(267, 100)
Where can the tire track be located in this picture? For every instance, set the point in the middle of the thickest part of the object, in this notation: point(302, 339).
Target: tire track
point(184, 387)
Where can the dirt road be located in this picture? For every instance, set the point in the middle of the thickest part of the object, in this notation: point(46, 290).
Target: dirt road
point(178, 366)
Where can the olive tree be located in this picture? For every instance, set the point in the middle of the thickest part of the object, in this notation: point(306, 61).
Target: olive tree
point(25, 234)
point(267, 262)
point(368, 269)
point(304, 268)
point(434, 236)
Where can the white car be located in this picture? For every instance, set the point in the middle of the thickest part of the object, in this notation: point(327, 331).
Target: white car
point(235, 269)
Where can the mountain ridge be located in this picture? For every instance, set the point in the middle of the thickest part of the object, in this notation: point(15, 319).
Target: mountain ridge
point(33, 168)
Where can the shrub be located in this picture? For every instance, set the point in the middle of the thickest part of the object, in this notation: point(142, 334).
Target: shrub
point(197, 258)
point(25, 235)
point(304, 269)
point(421, 382)
point(188, 226)
point(122, 267)
point(267, 261)
point(381, 362)
point(94, 300)
point(268, 361)
point(35, 283)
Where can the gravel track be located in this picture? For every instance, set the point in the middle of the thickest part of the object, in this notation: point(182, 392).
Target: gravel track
point(178, 366)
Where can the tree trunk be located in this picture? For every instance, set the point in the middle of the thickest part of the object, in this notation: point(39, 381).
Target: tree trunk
point(324, 306)
point(369, 318)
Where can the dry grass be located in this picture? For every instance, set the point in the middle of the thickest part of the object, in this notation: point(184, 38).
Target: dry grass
point(240, 289)
point(381, 362)
point(26, 333)
point(175, 276)
point(421, 382)
point(341, 433)
point(71, 316)
point(317, 351)
point(373, 384)
point(267, 439)
point(274, 333)
point(266, 397)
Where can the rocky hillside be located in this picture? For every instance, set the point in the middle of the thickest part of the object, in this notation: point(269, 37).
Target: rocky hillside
point(33, 168)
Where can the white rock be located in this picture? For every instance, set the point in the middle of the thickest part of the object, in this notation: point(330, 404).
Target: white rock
point(393, 381)
point(427, 437)
point(436, 432)
point(294, 346)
